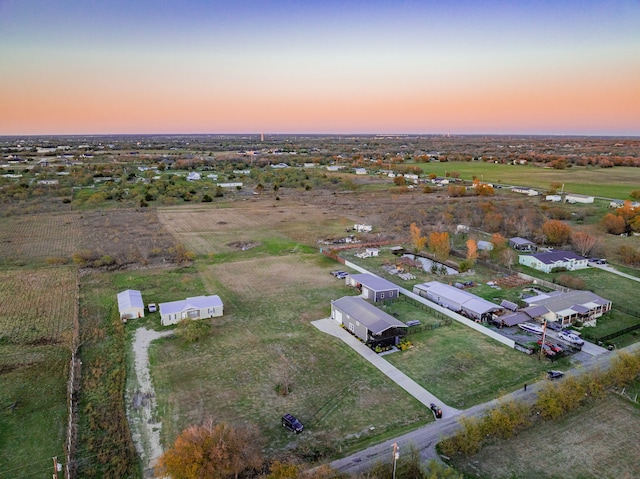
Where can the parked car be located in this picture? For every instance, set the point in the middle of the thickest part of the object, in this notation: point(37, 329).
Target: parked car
point(340, 274)
point(547, 350)
point(552, 374)
point(553, 347)
point(436, 411)
point(571, 338)
point(290, 422)
point(152, 307)
point(554, 326)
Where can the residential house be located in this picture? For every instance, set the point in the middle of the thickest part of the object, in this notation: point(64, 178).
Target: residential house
point(551, 260)
point(199, 307)
point(370, 324)
point(457, 300)
point(130, 304)
point(373, 287)
point(567, 308)
point(524, 315)
point(522, 244)
point(193, 176)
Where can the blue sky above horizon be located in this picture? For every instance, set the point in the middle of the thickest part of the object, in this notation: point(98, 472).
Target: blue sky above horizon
point(537, 67)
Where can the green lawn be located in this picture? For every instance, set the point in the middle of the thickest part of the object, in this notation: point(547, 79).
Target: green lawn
point(33, 410)
point(615, 182)
point(463, 367)
point(264, 340)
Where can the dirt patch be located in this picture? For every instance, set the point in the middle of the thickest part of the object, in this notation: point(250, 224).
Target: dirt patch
point(513, 281)
point(244, 245)
point(260, 277)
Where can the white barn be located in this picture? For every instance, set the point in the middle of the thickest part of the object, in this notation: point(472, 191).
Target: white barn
point(199, 307)
point(574, 198)
point(130, 304)
point(457, 300)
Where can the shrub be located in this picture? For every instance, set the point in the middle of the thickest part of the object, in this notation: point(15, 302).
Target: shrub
point(571, 281)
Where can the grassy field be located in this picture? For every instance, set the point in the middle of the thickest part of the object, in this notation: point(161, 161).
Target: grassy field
point(272, 291)
point(265, 339)
point(615, 182)
point(34, 360)
point(463, 367)
point(598, 441)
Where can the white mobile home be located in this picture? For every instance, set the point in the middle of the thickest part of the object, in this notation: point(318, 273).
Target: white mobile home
point(200, 307)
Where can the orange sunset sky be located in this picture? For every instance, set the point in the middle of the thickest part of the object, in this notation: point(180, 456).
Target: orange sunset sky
point(536, 67)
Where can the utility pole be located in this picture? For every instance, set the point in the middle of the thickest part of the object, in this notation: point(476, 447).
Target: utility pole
point(396, 455)
point(544, 334)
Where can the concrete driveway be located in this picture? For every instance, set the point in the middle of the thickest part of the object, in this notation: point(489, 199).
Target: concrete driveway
point(331, 327)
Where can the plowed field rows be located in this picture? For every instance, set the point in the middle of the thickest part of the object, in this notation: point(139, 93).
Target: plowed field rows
point(38, 306)
point(39, 236)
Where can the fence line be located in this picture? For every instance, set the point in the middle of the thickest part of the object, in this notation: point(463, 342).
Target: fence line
point(444, 311)
point(72, 391)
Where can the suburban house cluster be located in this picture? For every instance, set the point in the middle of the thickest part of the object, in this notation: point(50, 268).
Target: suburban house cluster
point(131, 305)
point(361, 316)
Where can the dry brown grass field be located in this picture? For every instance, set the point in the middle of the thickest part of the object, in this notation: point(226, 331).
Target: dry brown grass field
point(599, 441)
point(127, 235)
point(34, 237)
point(210, 229)
point(38, 306)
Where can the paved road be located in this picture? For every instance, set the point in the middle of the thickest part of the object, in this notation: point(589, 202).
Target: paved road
point(426, 438)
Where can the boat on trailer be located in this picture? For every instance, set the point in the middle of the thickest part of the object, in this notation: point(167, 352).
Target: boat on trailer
point(531, 328)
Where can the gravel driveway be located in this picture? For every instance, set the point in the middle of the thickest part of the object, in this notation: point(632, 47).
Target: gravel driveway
point(141, 402)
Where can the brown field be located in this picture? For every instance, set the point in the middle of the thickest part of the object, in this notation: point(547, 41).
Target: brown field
point(209, 229)
point(38, 306)
point(600, 441)
point(257, 278)
point(39, 236)
point(127, 235)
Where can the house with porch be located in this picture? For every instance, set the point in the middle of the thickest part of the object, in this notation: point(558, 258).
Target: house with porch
point(199, 307)
point(567, 308)
point(364, 320)
point(550, 260)
point(373, 288)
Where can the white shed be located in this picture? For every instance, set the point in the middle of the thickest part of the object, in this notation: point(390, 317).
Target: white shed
point(130, 304)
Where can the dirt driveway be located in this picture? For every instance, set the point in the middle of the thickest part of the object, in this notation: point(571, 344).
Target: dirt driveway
point(141, 402)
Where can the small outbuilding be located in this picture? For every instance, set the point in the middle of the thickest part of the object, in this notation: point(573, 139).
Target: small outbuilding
point(199, 307)
point(373, 326)
point(373, 287)
point(575, 198)
point(522, 244)
point(130, 304)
